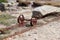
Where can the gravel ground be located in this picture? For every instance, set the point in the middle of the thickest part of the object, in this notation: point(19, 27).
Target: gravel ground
point(49, 31)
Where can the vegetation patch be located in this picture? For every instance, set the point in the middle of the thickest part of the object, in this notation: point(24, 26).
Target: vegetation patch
point(3, 0)
point(7, 19)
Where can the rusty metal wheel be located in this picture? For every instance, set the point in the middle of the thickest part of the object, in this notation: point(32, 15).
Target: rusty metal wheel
point(33, 21)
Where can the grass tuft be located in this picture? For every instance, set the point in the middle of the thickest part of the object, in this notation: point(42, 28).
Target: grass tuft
point(7, 19)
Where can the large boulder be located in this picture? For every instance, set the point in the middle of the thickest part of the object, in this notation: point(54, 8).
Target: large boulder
point(36, 4)
point(2, 7)
point(44, 10)
point(24, 4)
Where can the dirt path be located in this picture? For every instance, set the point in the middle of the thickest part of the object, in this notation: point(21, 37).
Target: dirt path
point(2, 26)
point(50, 31)
point(21, 30)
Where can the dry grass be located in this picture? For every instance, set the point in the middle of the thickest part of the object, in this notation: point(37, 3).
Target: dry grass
point(5, 19)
